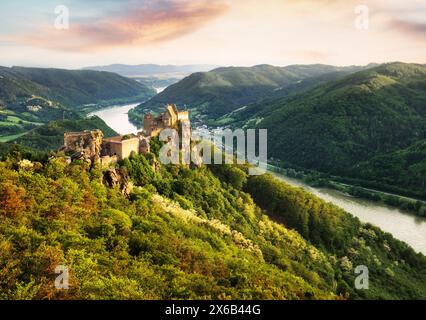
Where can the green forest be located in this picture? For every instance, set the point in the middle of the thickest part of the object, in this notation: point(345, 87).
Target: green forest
point(368, 126)
point(212, 158)
point(32, 97)
point(361, 123)
point(223, 90)
point(202, 233)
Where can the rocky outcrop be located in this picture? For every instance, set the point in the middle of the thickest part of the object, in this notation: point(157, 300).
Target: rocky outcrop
point(84, 145)
point(117, 177)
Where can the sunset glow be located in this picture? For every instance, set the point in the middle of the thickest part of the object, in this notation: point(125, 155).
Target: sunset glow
point(221, 32)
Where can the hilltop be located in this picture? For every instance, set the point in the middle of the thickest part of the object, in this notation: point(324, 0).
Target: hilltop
point(30, 97)
point(146, 70)
point(220, 91)
point(346, 127)
point(71, 88)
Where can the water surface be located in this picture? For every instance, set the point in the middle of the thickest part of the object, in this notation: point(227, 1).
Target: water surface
point(402, 225)
point(116, 118)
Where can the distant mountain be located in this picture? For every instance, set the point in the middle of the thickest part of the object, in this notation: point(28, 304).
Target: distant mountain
point(32, 96)
point(363, 126)
point(152, 69)
point(224, 90)
point(69, 87)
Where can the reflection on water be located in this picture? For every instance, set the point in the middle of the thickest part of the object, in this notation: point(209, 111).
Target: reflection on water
point(403, 226)
point(159, 89)
point(116, 118)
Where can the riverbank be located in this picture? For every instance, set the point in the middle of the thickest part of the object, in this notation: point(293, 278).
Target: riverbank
point(116, 117)
point(316, 179)
point(402, 225)
point(101, 105)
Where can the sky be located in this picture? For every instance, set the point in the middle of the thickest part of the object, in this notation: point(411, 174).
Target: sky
point(219, 32)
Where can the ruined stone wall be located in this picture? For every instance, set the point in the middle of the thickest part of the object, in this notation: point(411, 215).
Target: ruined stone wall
point(153, 126)
point(111, 148)
point(171, 114)
point(121, 148)
point(148, 123)
point(168, 119)
point(108, 160)
point(128, 146)
point(183, 116)
point(86, 145)
point(144, 146)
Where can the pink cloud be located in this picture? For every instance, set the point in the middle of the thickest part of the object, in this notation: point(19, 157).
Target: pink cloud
point(410, 28)
point(138, 27)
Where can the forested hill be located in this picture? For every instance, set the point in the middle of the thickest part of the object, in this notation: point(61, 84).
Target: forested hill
point(152, 69)
point(202, 233)
point(50, 136)
point(223, 90)
point(348, 127)
point(70, 88)
point(30, 97)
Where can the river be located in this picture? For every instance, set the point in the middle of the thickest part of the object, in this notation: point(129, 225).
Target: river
point(116, 118)
point(403, 226)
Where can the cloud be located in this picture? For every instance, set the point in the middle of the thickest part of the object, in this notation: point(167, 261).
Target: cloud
point(140, 25)
point(410, 28)
point(310, 55)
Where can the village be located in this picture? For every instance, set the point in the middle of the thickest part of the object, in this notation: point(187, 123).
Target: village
point(92, 147)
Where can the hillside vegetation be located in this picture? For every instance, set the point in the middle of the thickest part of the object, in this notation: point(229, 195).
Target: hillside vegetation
point(186, 234)
point(51, 136)
point(223, 90)
point(370, 125)
point(33, 96)
point(71, 88)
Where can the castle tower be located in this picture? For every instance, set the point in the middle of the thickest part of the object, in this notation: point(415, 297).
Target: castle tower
point(148, 123)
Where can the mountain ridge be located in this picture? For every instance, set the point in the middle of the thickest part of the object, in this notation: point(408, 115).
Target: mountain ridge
point(72, 87)
point(215, 93)
point(151, 69)
point(33, 96)
point(342, 123)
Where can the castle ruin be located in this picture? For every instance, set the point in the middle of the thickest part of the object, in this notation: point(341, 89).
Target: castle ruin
point(91, 146)
point(84, 145)
point(171, 118)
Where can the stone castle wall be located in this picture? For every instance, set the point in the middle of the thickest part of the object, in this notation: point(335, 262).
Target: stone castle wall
point(119, 147)
point(129, 146)
point(85, 144)
point(90, 145)
point(169, 119)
